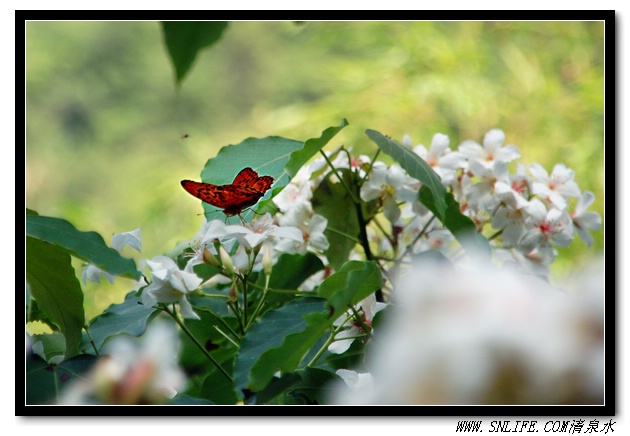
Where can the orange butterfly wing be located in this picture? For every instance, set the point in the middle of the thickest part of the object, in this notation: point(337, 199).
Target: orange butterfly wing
point(245, 191)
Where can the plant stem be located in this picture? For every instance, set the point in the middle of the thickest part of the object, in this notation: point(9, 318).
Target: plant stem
point(355, 200)
point(329, 341)
point(194, 339)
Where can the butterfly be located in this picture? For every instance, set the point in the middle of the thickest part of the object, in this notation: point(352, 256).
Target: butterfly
point(246, 189)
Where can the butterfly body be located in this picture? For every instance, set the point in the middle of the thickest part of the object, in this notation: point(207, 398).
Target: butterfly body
point(245, 191)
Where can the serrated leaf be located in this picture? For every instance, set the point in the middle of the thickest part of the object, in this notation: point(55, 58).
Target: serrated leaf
point(416, 167)
point(128, 317)
point(45, 382)
point(54, 285)
point(311, 147)
point(184, 40)
point(332, 201)
point(88, 246)
point(267, 156)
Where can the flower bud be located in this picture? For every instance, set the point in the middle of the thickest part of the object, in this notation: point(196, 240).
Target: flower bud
point(267, 260)
point(210, 258)
point(226, 261)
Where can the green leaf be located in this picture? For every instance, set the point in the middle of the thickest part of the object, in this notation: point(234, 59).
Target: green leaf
point(416, 167)
point(275, 388)
point(269, 333)
point(351, 284)
point(88, 246)
point(311, 147)
point(53, 284)
point(205, 331)
point(129, 317)
point(289, 272)
point(49, 346)
point(217, 388)
point(281, 339)
point(266, 156)
point(314, 386)
point(34, 313)
point(184, 39)
point(45, 382)
point(458, 224)
point(332, 201)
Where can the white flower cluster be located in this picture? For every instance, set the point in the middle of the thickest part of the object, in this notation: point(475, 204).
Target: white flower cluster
point(529, 208)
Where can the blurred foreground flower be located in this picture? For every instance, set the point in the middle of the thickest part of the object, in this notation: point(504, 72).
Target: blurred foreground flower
point(482, 336)
point(133, 374)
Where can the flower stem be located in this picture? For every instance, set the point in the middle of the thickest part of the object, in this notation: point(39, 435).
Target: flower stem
point(329, 341)
point(355, 200)
point(194, 339)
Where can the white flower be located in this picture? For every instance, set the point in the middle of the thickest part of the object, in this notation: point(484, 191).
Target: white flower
point(389, 184)
point(584, 220)
point(557, 187)
point(294, 203)
point(119, 241)
point(513, 189)
point(441, 158)
point(482, 194)
point(356, 381)
point(512, 222)
point(546, 226)
point(492, 151)
point(369, 306)
point(130, 373)
point(133, 239)
point(170, 285)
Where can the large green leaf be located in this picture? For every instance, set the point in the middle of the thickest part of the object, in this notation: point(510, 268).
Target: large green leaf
point(129, 317)
point(269, 333)
point(184, 39)
point(88, 246)
point(416, 167)
point(266, 156)
point(45, 382)
point(54, 285)
point(334, 202)
point(217, 388)
point(311, 147)
point(281, 339)
point(314, 386)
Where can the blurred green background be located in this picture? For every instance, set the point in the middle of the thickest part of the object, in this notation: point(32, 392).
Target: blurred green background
point(105, 121)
